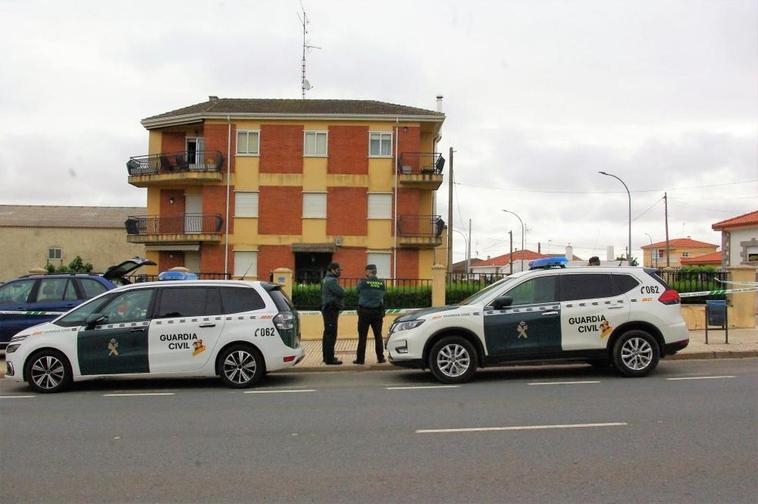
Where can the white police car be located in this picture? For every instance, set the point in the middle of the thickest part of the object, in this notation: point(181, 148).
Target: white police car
point(233, 329)
point(624, 316)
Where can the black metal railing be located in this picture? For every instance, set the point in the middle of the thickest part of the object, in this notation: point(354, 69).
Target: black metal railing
point(174, 162)
point(696, 281)
point(179, 224)
point(424, 163)
point(423, 226)
point(138, 278)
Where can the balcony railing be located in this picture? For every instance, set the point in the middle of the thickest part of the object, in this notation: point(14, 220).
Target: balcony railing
point(420, 226)
point(420, 163)
point(187, 224)
point(175, 162)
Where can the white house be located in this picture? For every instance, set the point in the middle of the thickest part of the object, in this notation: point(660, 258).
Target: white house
point(739, 239)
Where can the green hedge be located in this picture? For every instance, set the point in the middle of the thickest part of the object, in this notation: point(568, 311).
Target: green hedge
point(308, 297)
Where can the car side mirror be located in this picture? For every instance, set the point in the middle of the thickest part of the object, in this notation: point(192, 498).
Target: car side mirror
point(93, 320)
point(501, 302)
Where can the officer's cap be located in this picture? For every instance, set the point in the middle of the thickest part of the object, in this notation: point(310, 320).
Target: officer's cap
point(371, 267)
point(333, 266)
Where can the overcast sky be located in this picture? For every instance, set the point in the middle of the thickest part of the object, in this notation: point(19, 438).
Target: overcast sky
point(539, 97)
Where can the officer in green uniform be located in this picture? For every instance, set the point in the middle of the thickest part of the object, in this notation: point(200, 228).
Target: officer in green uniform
point(332, 301)
point(370, 313)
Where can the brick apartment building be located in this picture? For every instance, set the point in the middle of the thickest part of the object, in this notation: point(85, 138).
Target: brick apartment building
point(244, 186)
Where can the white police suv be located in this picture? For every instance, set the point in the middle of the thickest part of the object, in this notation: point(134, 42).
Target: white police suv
point(628, 317)
point(233, 329)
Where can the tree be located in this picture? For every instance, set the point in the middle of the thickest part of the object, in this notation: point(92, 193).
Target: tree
point(77, 265)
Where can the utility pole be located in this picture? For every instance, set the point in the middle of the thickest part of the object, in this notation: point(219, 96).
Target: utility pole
point(510, 257)
point(450, 216)
point(666, 207)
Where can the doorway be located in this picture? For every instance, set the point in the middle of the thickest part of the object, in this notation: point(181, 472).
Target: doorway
point(310, 267)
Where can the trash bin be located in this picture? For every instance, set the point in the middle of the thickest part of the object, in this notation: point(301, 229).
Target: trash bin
point(715, 315)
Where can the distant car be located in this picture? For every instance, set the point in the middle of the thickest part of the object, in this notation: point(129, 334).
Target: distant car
point(627, 317)
point(232, 329)
point(34, 299)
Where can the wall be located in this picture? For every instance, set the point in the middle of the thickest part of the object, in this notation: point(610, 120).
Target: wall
point(101, 247)
point(738, 236)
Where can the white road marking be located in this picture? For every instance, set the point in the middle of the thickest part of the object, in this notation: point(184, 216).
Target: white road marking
point(564, 382)
point(282, 391)
point(423, 387)
point(701, 377)
point(17, 397)
point(136, 394)
point(522, 427)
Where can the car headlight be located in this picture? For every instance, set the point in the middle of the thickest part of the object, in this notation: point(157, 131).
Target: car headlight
point(12, 348)
point(18, 337)
point(405, 326)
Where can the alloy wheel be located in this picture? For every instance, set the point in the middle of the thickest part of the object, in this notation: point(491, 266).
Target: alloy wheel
point(239, 367)
point(453, 360)
point(48, 372)
point(636, 353)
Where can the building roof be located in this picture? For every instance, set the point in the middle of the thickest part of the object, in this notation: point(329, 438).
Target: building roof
point(712, 258)
point(66, 216)
point(221, 107)
point(748, 219)
point(505, 259)
point(680, 243)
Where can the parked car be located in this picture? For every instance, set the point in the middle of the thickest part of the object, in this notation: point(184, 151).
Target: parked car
point(33, 299)
point(627, 317)
point(232, 329)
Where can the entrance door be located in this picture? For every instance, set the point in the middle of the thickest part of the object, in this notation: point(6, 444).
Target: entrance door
point(193, 213)
point(310, 267)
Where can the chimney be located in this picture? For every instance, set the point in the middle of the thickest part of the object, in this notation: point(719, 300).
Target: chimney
point(439, 103)
point(570, 253)
point(539, 247)
point(213, 98)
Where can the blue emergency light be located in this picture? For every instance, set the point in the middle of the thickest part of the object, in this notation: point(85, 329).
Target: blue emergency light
point(177, 275)
point(548, 262)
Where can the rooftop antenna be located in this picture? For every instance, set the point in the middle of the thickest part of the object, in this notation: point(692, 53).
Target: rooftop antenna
point(305, 85)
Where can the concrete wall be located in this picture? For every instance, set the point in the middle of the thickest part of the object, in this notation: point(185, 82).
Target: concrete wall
point(735, 248)
point(22, 249)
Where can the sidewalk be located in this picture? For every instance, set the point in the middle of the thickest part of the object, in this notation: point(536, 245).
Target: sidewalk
point(742, 343)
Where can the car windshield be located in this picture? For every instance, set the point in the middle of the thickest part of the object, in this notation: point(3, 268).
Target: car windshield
point(485, 293)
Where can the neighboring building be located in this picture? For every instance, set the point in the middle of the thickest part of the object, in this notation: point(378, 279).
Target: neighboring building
point(739, 239)
point(712, 259)
point(245, 186)
point(501, 265)
point(654, 254)
point(460, 266)
point(32, 236)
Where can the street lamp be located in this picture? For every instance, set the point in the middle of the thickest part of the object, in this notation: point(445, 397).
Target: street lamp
point(522, 237)
point(468, 250)
point(654, 258)
point(629, 249)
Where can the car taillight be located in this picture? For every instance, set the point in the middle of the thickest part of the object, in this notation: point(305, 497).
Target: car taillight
point(669, 297)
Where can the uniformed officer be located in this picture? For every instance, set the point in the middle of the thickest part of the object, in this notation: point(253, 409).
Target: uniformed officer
point(332, 301)
point(370, 313)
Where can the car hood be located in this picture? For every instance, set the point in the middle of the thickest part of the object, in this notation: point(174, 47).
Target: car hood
point(122, 269)
point(425, 311)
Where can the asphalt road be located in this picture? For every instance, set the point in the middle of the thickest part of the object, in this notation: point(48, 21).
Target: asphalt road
point(688, 433)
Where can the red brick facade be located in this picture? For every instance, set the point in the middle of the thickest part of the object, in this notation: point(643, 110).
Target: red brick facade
point(271, 257)
point(168, 260)
point(348, 149)
point(280, 210)
point(172, 142)
point(281, 149)
point(171, 214)
point(212, 258)
point(214, 203)
point(408, 205)
point(347, 211)
point(352, 260)
point(409, 140)
point(216, 138)
point(407, 263)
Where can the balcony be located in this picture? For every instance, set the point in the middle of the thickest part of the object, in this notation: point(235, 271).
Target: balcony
point(420, 231)
point(420, 170)
point(175, 168)
point(188, 228)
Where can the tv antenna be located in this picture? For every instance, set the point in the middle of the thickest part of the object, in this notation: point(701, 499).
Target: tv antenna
point(305, 85)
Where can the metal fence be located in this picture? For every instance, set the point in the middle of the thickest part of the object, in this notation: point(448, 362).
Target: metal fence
point(399, 293)
point(143, 225)
point(170, 162)
point(696, 281)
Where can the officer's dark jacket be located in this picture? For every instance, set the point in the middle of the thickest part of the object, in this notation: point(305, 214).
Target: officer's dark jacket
point(370, 293)
point(332, 295)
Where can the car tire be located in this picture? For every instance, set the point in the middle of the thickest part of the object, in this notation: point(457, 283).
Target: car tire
point(48, 371)
point(636, 353)
point(453, 360)
point(241, 366)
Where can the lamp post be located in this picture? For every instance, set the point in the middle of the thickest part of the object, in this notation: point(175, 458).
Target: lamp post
point(522, 236)
point(653, 258)
point(629, 246)
point(468, 250)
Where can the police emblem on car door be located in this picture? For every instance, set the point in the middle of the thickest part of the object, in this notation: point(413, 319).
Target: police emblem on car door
point(114, 341)
point(530, 323)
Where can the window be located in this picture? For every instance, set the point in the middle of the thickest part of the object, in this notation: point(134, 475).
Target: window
point(241, 299)
point(314, 205)
point(382, 261)
point(16, 292)
point(55, 289)
point(247, 142)
point(685, 254)
point(624, 283)
point(245, 264)
point(380, 144)
point(282, 302)
point(534, 291)
point(78, 316)
point(54, 253)
point(587, 286)
point(379, 206)
point(189, 302)
point(245, 204)
point(131, 306)
point(91, 287)
point(661, 253)
point(315, 143)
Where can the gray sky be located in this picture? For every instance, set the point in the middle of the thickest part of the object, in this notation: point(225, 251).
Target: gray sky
point(539, 97)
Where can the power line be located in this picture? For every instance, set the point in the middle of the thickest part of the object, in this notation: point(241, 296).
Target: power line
point(542, 191)
point(648, 209)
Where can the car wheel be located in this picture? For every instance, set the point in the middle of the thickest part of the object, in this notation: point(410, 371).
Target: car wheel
point(48, 371)
point(453, 360)
point(241, 366)
point(636, 353)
